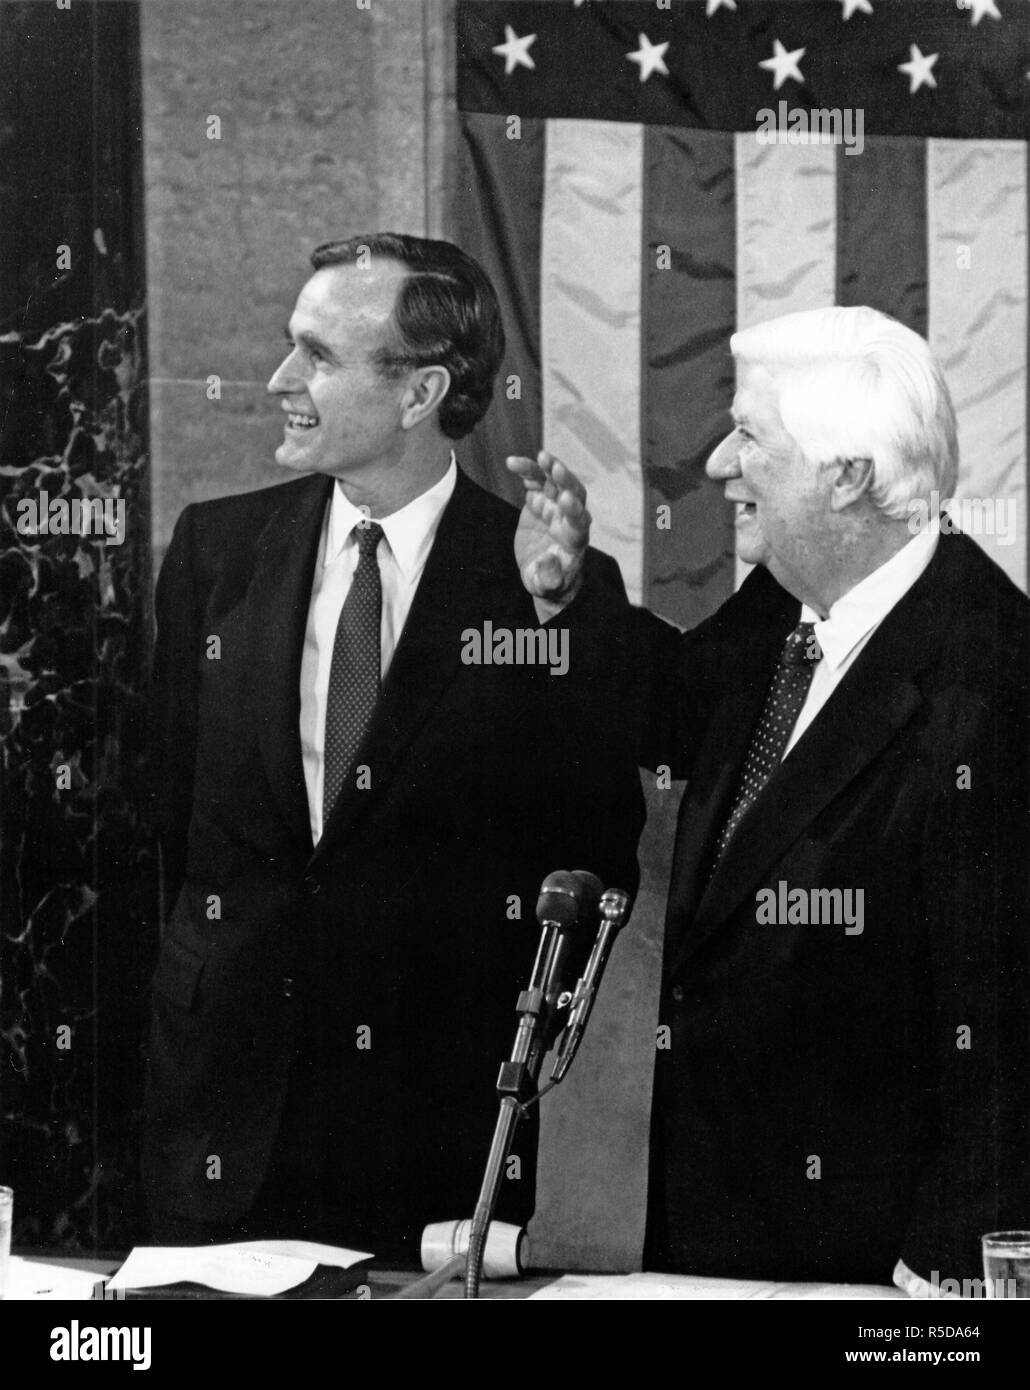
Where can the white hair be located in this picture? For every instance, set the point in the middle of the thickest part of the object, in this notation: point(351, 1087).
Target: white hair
point(854, 383)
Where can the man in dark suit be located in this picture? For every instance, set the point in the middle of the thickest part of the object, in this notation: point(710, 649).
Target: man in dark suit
point(841, 1090)
point(355, 816)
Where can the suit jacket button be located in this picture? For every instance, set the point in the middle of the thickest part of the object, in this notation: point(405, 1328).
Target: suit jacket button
point(287, 987)
point(311, 885)
point(677, 994)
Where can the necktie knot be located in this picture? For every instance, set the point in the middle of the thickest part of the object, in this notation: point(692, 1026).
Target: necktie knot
point(368, 534)
point(801, 646)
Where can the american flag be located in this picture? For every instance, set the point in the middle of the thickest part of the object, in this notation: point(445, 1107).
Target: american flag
point(615, 182)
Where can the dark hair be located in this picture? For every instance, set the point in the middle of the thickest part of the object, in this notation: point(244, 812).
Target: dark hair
point(446, 315)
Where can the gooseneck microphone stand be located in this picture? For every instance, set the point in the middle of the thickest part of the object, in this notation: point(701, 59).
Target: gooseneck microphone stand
point(569, 902)
point(558, 912)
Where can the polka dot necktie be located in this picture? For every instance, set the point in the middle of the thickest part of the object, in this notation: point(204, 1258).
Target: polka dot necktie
point(354, 673)
point(775, 725)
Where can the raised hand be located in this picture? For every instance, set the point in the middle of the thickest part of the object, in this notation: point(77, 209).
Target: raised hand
point(554, 528)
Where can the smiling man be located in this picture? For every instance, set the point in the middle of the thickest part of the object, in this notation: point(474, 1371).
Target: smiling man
point(358, 405)
point(832, 1104)
point(354, 821)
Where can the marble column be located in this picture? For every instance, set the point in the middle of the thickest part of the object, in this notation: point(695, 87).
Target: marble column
point(75, 872)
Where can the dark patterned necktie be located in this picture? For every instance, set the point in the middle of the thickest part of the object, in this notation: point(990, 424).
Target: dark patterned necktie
point(354, 673)
point(775, 725)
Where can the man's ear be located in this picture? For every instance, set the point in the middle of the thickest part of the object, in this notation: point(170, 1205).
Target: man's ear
point(851, 479)
point(424, 392)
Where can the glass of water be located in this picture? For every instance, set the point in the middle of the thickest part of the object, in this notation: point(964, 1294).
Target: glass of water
point(1007, 1264)
point(6, 1212)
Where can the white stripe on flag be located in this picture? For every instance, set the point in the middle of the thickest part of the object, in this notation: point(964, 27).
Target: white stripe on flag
point(977, 236)
point(590, 288)
point(786, 233)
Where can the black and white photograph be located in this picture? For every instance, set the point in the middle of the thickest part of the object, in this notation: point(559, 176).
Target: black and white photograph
point(515, 663)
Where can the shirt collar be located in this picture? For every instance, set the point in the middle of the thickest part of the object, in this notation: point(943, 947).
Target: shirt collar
point(409, 532)
point(856, 613)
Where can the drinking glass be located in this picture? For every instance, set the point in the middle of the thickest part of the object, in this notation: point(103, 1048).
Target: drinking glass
point(1007, 1264)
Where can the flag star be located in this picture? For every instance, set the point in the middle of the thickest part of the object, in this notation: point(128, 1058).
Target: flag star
point(853, 6)
point(918, 69)
point(650, 57)
point(515, 51)
point(980, 8)
point(712, 5)
point(783, 64)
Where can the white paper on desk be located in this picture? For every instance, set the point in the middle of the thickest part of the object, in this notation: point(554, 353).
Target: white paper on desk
point(32, 1279)
point(839, 1291)
point(651, 1286)
point(334, 1255)
point(259, 1268)
point(694, 1286)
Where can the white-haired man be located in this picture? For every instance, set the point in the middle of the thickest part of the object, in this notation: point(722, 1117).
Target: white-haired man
point(844, 1094)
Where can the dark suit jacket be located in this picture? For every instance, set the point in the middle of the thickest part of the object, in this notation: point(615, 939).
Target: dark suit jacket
point(484, 779)
point(794, 1043)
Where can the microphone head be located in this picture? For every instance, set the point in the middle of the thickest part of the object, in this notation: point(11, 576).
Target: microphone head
point(591, 890)
point(616, 905)
point(561, 894)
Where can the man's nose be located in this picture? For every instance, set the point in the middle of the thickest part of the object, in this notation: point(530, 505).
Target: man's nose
point(284, 380)
point(724, 461)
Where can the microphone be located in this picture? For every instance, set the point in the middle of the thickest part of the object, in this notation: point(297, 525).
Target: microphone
point(615, 907)
point(592, 889)
point(559, 911)
point(585, 892)
point(558, 903)
point(567, 902)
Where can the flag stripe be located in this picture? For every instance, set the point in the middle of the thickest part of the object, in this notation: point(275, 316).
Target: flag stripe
point(591, 324)
point(786, 228)
point(977, 199)
point(497, 220)
point(881, 229)
point(786, 233)
point(689, 309)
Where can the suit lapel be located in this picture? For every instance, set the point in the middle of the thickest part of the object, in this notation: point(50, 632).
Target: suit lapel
point(277, 611)
point(714, 780)
point(876, 698)
point(470, 560)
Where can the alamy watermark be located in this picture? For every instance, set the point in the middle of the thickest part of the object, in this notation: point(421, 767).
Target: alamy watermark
point(100, 518)
point(81, 1342)
point(518, 646)
point(798, 125)
point(784, 906)
point(975, 516)
point(971, 1288)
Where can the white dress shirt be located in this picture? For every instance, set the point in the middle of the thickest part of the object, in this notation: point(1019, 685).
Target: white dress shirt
point(408, 537)
point(854, 618)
